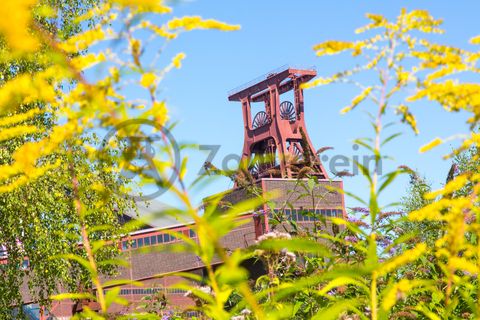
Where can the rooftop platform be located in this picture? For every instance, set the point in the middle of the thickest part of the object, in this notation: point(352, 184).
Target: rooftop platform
point(257, 85)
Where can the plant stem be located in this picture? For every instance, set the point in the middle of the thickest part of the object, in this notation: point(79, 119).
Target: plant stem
point(85, 240)
point(373, 294)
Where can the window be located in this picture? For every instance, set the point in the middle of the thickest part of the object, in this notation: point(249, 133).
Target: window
point(140, 242)
point(166, 238)
point(273, 213)
point(294, 214)
point(288, 214)
point(329, 213)
point(153, 240)
point(323, 212)
point(192, 314)
point(175, 291)
point(146, 241)
point(124, 245)
point(160, 238)
point(299, 216)
point(339, 213)
point(133, 244)
point(192, 234)
point(334, 213)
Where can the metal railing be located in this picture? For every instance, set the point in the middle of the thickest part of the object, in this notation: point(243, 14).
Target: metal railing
point(267, 75)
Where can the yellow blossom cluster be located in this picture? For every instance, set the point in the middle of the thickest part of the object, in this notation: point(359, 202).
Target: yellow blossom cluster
point(82, 105)
point(419, 20)
point(83, 40)
point(408, 117)
point(453, 96)
point(377, 22)
point(404, 258)
point(160, 31)
point(400, 290)
point(357, 100)
point(140, 6)
point(177, 60)
point(195, 22)
point(332, 47)
point(16, 24)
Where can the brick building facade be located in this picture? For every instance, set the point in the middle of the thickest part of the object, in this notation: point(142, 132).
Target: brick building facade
point(146, 265)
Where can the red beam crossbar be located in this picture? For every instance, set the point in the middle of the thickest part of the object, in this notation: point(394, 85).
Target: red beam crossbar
point(272, 79)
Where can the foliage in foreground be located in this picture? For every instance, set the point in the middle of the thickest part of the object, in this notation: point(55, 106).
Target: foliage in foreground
point(371, 269)
point(40, 214)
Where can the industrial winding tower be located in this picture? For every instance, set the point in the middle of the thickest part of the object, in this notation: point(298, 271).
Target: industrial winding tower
point(276, 143)
point(278, 153)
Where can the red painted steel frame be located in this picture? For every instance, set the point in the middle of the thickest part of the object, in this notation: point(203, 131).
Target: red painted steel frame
point(280, 136)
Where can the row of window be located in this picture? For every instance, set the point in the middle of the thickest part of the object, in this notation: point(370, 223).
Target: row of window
point(299, 214)
point(291, 214)
point(143, 291)
point(153, 240)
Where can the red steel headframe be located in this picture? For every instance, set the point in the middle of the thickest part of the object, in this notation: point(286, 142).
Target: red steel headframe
point(273, 132)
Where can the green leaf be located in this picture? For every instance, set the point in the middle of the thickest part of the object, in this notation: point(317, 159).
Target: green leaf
point(121, 282)
point(296, 245)
point(342, 281)
point(112, 296)
point(390, 138)
point(351, 226)
point(365, 172)
point(372, 257)
point(311, 184)
point(297, 307)
point(97, 245)
point(363, 144)
point(335, 310)
point(73, 296)
point(183, 168)
point(83, 262)
point(114, 262)
point(388, 179)
point(351, 195)
point(101, 227)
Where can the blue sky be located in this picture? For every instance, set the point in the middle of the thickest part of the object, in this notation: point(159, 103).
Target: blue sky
point(275, 33)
